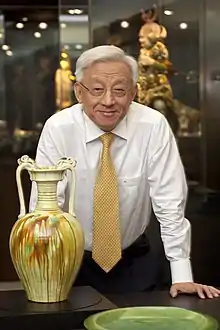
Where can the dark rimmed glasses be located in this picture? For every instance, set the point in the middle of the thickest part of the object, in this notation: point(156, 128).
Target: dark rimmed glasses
point(101, 91)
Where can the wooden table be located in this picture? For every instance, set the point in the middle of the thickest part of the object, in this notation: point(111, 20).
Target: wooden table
point(18, 313)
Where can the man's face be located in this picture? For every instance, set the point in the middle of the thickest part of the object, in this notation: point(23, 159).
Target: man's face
point(106, 92)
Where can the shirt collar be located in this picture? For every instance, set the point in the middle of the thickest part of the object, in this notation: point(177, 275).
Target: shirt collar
point(93, 132)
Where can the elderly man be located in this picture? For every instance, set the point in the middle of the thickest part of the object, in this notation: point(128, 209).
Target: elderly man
point(127, 159)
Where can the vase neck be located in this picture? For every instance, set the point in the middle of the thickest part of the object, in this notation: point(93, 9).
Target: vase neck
point(47, 196)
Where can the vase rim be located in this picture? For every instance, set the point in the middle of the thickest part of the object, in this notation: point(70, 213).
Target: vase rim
point(47, 169)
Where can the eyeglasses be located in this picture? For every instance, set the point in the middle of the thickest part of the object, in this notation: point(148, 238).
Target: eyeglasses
point(100, 91)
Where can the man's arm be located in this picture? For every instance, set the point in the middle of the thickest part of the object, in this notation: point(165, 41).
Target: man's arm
point(49, 151)
point(168, 192)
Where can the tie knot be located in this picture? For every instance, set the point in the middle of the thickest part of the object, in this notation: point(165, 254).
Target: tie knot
point(107, 139)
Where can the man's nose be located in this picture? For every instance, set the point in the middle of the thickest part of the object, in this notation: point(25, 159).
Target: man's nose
point(108, 99)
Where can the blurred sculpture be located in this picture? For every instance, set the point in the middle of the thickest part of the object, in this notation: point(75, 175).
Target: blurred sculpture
point(20, 114)
point(64, 82)
point(189, 119)
point(44, 87)
point(154, 89)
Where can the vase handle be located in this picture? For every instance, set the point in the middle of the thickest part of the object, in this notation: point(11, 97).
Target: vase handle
point(72, 190)
point(25, 163)
point(69, 164)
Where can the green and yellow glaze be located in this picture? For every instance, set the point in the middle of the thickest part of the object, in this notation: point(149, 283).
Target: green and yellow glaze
point(46, 249)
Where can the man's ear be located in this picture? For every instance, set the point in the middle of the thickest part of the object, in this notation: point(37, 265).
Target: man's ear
point(133, 92)
point(78, 91)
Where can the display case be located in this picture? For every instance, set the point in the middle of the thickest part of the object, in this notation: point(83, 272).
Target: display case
point(175, 43)
point(39, 44)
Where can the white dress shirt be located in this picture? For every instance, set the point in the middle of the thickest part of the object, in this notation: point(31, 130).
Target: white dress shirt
point(148, 167)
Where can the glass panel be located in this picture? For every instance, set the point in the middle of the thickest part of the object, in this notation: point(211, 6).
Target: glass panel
point(2, 81)
point(28, 58)
point(74, 39)
point(183, 44)
point(118, 22)
point(155, 68)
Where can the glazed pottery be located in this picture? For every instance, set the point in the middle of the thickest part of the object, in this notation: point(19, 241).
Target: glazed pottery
point(150, 318)
point(46, 245)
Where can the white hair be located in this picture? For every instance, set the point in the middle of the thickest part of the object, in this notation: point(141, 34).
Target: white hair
point(103, 54)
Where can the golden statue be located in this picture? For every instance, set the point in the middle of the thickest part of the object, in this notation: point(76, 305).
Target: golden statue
point(154, 89)
point(64, 79)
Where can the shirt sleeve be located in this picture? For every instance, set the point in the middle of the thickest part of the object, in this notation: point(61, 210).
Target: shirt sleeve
point(168, 191)
point(48, 153)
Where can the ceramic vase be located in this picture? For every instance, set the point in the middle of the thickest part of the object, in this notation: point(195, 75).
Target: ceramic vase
point(47, 245)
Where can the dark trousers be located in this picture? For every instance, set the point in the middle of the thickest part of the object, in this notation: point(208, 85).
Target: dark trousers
point(138, 270)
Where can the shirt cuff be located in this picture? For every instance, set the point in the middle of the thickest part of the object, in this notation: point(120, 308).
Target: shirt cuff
point(181, 271)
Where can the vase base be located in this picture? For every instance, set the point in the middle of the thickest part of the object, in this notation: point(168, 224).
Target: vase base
point(46, 300)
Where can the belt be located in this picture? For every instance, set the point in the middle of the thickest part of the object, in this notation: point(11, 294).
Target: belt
point(138, 248)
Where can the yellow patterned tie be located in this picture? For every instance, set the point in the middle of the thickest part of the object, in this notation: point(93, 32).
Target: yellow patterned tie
point(106, 247)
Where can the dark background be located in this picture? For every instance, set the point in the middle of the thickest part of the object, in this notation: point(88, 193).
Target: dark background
point(27, 97)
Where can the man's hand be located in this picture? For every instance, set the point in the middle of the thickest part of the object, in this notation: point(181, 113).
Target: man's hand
point(203, 291)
